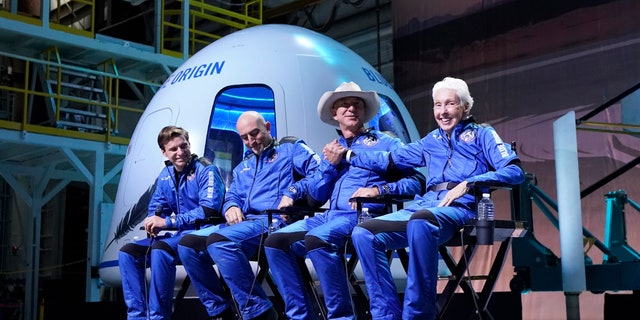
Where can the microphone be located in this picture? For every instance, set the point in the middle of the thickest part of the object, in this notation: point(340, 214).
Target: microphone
point(158, 212)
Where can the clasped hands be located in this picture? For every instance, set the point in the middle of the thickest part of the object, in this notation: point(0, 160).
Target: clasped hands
point(334, 152)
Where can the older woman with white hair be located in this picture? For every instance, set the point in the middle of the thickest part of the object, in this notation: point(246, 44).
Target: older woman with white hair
point(458, 152)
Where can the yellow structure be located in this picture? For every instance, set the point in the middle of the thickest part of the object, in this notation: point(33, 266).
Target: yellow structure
point(70, 98)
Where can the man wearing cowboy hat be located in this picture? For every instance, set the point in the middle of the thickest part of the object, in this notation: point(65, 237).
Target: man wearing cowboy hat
point(321, 237)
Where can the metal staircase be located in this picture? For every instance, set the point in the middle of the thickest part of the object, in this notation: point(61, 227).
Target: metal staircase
point(538, 268)
point(76, 99)
point(69, 102)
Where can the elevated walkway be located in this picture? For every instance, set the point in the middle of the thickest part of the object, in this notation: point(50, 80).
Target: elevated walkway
point(70, 99)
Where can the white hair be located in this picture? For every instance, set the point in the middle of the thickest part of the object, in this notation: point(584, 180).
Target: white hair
point(457, 85)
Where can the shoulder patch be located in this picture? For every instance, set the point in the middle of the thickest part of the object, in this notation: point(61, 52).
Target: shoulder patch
point(370, 141)
point(468, 135)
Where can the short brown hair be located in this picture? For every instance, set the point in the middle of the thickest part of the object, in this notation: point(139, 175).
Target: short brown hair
point(169, 132)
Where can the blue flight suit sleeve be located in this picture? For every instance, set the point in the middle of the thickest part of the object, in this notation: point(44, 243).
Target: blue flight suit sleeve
point(233, 198)
point(376, 161)
point(501, 157)
point(305, 163)
point(404, 157)
point(400, 181)
point(158, 200)
point(323, 180)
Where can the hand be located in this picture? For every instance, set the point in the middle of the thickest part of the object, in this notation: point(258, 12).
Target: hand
point(285, 202)
point(453, 194)
point(364, 192)
point(153, 224)
point(233, 215)
point(334, 152)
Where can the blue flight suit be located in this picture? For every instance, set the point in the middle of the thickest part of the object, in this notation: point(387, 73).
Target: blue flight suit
point(321, 236)
point(259, 182)
point(474, 153)
point(194, 193)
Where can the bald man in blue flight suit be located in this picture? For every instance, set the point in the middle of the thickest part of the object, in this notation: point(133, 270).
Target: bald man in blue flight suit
point(460, 151)
point(272, 175)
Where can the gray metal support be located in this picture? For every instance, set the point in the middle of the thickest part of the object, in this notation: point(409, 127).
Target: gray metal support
point(572, 300)
point(94, 250)
point(185, 29)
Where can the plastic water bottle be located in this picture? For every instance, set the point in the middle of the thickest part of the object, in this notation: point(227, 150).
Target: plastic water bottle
point(485, 207)
point(484, 225)
point(274, 226)
point(364, 215)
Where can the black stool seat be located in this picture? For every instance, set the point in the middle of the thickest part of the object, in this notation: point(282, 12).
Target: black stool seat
point(503, 229)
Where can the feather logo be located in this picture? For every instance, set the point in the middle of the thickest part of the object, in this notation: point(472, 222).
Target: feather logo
point(134, 216)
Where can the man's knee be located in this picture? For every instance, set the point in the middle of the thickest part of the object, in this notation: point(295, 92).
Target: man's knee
point(215, 237)
point(376, 226)
point(134, 249)
point(313, 242)
point(283, 240)
point(195, 242)
point(425, 214)
point(359, 231)
point(161, 245)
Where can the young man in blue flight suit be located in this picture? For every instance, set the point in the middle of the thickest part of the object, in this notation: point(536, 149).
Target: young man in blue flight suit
point(460, 151)
point(267, 178)
point(187, 189)
point(321, 236)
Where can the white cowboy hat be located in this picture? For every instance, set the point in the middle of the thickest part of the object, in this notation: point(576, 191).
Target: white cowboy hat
point(348, 89)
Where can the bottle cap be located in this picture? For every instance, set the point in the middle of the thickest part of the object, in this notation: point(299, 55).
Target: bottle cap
point(486, 195)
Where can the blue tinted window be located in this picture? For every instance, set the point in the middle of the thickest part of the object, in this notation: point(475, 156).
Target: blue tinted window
point(389, 120)
point(224, 146)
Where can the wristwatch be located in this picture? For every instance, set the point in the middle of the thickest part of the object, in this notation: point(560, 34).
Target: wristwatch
point(384, 189)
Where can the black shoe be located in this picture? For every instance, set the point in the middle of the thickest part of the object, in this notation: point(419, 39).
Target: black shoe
point(224, 315)
point(270, 314)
